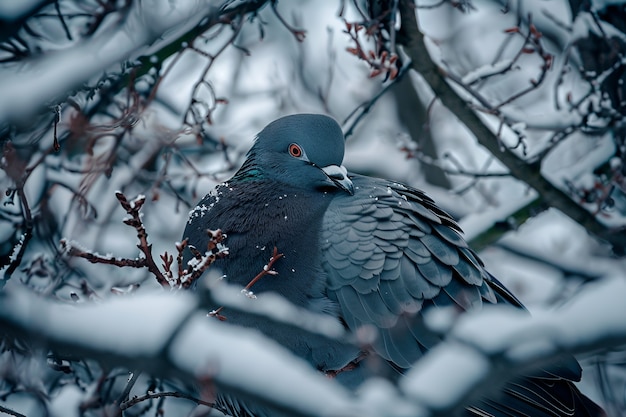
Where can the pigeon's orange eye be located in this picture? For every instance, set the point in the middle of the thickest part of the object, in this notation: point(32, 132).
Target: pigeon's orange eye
point(295, 150)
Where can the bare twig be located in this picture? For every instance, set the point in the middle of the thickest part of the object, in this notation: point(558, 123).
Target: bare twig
point(71, 249)
point(177, 394)
point(57, 8)
point(15, 168)
point(380, 61)
point(132, 208)
point(184, 278)
point(267, 270)
point(363, 109)
point(299, 34)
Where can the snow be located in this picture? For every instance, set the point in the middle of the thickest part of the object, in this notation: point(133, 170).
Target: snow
point(443, 377)
point(477, 222)
point(524, 337)
point(485, 70)
point(381, 398)
point(257, 366)
point(277, 308)
point(67, 402)
point(14, 9)
point(156, 316)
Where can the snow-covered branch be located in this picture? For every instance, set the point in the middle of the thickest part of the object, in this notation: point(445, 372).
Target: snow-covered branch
point(167, 335)
point(170, 335)
point(485, 349)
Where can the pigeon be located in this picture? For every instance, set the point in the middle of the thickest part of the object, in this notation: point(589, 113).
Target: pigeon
point(369, 253)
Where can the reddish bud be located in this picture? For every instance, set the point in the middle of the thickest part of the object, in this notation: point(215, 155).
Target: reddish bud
point(548, 59)
point(534, 31)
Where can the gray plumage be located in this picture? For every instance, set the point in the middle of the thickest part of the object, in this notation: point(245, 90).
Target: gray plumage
point(366, 251)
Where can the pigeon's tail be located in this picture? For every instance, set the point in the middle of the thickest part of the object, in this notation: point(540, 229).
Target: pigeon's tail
point(538, 397)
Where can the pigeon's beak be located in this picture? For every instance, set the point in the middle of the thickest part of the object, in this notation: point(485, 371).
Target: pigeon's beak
point(338, 174)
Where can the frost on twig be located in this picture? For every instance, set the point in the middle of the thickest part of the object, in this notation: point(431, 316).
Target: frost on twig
point(200, 261)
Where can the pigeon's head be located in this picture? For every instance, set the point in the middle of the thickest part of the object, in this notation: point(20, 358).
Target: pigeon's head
point(302, 150)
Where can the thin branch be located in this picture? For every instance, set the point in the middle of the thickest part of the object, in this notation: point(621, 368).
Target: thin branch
point(267, 270)
point(195, 268)
point(299, 34)
point(184, 278)
point(16, 169)
point(10, 412)
point(71, 249)
point(57, 7)
point(364, 108)
point(177, 394)
point(24, 240)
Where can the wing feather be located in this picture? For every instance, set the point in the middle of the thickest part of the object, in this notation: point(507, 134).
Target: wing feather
point(435, 273)
point(444, 251)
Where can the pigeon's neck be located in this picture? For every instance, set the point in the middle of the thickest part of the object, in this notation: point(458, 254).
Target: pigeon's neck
point(249, 171)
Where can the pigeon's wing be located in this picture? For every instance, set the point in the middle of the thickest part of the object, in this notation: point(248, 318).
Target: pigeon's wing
point(389, 251)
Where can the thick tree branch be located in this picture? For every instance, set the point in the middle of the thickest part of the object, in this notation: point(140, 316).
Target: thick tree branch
point(414, 46)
